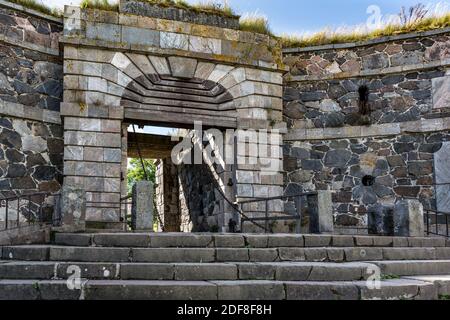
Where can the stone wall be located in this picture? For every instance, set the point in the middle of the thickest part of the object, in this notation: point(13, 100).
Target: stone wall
point(31, 137)
point(365, 120)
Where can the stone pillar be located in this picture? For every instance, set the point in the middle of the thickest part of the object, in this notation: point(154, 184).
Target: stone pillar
point(321, 213)
point(142, 210)
point(73, 210)
point(408, 219)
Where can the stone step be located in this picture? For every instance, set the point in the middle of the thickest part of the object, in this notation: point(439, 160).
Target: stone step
point(441, 282)
point(405, 289)
point(414, 267)
point(206, 255)
point(183, 240)
point(281, 271)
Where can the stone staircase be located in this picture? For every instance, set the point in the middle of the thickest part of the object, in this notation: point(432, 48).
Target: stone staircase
point(216, 266)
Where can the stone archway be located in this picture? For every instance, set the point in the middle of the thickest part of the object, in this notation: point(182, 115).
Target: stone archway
point(114, 79)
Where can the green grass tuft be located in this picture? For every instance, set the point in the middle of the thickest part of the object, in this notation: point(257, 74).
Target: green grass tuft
point(100, 5)
point(255, 23)
point(444, 297)
point(329, 37)
point(38, 6)
point(389, 277)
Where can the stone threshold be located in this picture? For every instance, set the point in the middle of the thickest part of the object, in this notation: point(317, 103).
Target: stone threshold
point(379, 130)
point(26, 10)
point(374, 72)
point(17, 110)
point(29, 46)
point(367, 42)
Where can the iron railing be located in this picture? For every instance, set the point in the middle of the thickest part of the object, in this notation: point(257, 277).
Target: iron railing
point(437, 223)
point(20, 211)
point(306, 200)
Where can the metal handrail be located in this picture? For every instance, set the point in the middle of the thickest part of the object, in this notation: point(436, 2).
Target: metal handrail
point(34, 209)
point(437, 214)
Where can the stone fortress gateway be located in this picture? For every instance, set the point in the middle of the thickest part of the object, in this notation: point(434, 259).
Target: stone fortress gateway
point(367, 122)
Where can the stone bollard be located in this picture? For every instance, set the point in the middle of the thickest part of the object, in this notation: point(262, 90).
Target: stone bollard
point(408, 219)
point(321, 217)
point(73, 210)
point(142, 209)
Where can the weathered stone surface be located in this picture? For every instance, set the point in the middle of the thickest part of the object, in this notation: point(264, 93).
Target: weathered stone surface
point(250, 290)
point(142, 208)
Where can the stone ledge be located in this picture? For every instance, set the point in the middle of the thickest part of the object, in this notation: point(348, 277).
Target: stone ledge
point(367, 42)
point(29, 45)
point(369, 73)
point(262, 65)
point(26, 10)
point(31, 113)
point(381, 130)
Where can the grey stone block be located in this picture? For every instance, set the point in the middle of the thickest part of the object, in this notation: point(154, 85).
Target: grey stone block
point(363, 241)
point(317, 240)
point(150, 290)
point(26, 253)
point(263, 255)
point(401, 289)
point(408, 254)
point(250, 290)
point(316, 254)
point(321, 291)
point(442, 253)
point(259, 271)
point(342, 241)
point(383, 241)
point(285, 240)
point(292, 254)
point(89, 254)
point(197, 272)
point(18, 290)
point(173, 255)
point(363, 254)
point(27, 270)
point(73, 239)
point(140, 36)
point(414, 267)
point(408, 218)
point(95, 270)
point(121, 240)
point(232, 255)
point(442, 283)
point(147, 271)
point(256, 241)
point(229, 241)
point(57, 290)
point(337, 272)
point(73, 209)
point(335, 254)
point(142, 207)
point(400, 242)
point(180, 241)
point(294, 271)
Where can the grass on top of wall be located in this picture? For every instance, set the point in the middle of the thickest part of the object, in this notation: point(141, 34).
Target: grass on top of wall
point(208, 7)
point(255, 23)
point(329, 37)
point(38, 6)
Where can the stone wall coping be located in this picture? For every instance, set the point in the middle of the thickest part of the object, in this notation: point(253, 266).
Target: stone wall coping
point(379, 130)
point(29, 11)
point(30, 46)
point(367, 42)
point(371, 73)
point(17, 110)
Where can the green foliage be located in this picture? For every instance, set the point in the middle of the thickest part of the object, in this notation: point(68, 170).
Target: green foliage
point(444, 297)
point(38, 6)
point(389, 277)
point(136, 172)
point(255, 23)
point(330, 37)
